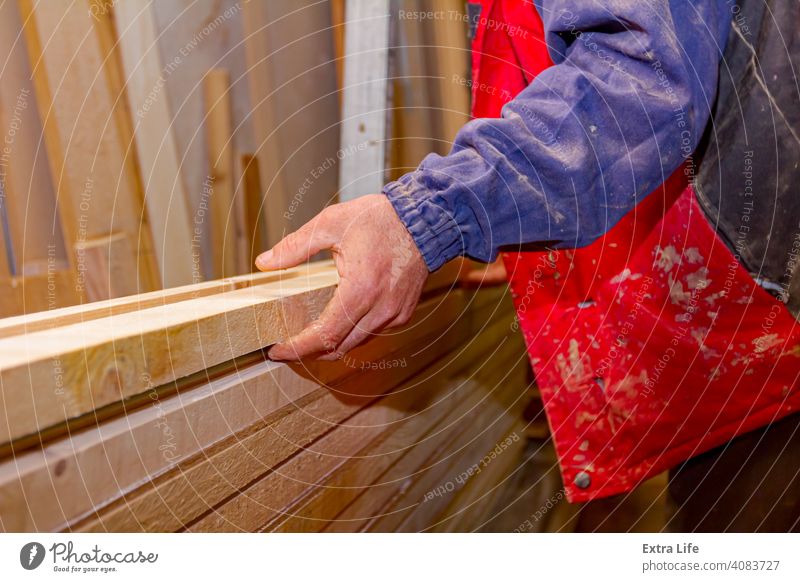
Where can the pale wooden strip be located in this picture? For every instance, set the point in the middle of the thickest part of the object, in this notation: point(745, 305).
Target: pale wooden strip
point(450, 59)
point(30, 323)
point(98, 190)
point(413, 128)
point(364, 128)
point(166, 200)
point(50, 376)
point(337, 25)
point(252, 193)
point(445, 279)
point(226, 229)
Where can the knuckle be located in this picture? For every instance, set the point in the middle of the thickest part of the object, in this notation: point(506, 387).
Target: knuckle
point(288, 245)
point(330, 339)
point(404, 317)
point(387, 313)
point(326, 217)
point(366, 291)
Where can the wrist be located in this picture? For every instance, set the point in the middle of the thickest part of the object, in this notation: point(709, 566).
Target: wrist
point(432, 228)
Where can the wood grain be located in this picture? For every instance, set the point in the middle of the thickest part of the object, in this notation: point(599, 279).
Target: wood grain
point(190, 491)
point(98, 191)
point(227, 220)
point(166, 199)
point(56, 475)
point(459, 392)
point(51, 376)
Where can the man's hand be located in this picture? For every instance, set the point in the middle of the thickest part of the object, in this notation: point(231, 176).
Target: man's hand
point(381, 274)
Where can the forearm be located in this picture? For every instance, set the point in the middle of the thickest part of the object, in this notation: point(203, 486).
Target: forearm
point(624, 105)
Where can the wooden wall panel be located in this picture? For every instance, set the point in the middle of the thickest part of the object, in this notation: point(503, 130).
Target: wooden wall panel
point(194, 37)
point(292, 78)
point(151, 119)
point(97, 186)
point(35, 228)
point(227, 214)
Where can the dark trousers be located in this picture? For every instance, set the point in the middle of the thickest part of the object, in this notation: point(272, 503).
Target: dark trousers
point(752, 484)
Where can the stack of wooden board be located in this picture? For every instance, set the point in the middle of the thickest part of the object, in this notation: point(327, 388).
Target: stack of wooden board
point(160, 412)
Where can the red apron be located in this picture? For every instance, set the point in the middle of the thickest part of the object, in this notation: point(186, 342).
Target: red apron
point(651, 345)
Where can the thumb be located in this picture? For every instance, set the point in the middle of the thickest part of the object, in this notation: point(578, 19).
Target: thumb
point(297, 247)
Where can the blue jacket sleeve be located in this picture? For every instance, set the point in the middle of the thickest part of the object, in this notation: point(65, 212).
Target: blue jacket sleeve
point(624, 105)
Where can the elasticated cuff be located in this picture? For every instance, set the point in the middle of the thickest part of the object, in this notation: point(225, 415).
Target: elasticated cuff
point(432, 227)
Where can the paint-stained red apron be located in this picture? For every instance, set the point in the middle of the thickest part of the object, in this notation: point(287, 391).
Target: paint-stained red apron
point(651, 345)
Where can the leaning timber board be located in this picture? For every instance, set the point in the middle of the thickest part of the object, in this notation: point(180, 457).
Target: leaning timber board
point(367, 475)
point(238, 443)
point(265, 499)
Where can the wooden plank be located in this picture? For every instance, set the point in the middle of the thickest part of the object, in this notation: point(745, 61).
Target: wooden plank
point(189, 422)
point(417, 506)
point(443, 279)
point(471, 507)
point(34, 229)
point(227, 228)
point(370, 504)
point(159, 344)
point(251, 193)
point(364, 109)
point(189, 492)
point(361, 473)
point(103, 260)
point(98, 193)
point(292, 82)
point(165, 195)
point(11, 326)
point(413, 126)
point(338, 24)
point(451, 64)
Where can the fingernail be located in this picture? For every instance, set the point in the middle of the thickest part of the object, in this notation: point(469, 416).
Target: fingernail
point(262, 261)
point(274, 353)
